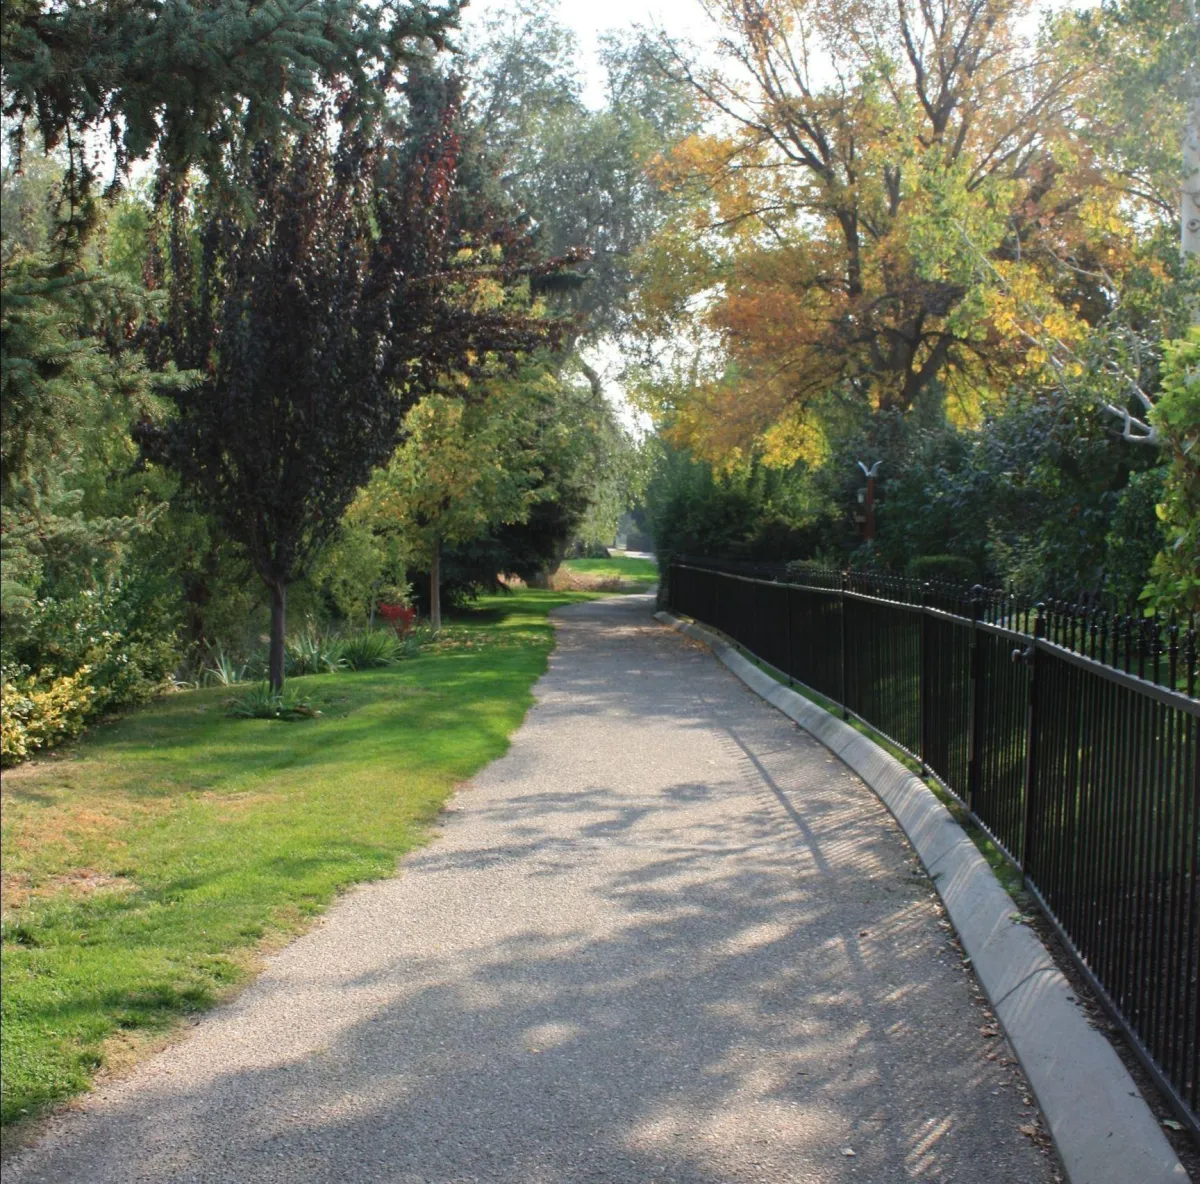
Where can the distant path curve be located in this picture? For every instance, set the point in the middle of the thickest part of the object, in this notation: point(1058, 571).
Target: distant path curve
point(667, 937)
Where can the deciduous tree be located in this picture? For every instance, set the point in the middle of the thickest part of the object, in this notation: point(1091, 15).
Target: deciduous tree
point(346, 292)
point(860, 160)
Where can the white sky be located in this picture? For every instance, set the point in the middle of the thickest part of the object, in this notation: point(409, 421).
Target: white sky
point(588, 19)
point(681, 18)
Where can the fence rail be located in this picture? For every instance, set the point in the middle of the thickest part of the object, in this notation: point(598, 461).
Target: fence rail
point(1070, 736)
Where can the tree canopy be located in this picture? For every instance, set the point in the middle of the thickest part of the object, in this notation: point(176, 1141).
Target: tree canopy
point(352, 289)
point(892, 202)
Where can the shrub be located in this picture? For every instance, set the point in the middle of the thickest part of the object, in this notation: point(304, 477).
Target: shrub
point(369, 649)
point(313, 652)
point(127, 664)
point(952, 569)
point(33, 716)
point(260, 702)
point(399, 616)
point(1174, 584)
point(223, 670)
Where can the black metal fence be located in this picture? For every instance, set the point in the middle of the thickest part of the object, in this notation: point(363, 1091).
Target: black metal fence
point(1070, 735)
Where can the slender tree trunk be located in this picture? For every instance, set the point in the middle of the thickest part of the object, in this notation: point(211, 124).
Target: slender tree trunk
point(278, 591)
point(1189, 229)
point(435, 586)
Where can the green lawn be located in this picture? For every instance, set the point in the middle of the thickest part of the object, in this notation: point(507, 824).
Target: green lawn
point(147, 868)
point(642, 570)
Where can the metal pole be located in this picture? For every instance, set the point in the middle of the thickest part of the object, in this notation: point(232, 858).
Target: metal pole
point(922, 676)
point(787, 613)
point(1031, 656)
point(842, 631)
point(974, 714)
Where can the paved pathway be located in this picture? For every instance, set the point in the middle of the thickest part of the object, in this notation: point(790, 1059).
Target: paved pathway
point(666, 938)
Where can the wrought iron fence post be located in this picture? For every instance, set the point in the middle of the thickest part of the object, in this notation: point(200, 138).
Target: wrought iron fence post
point(975, 692)
point(787, 614)
point(842, 630)
point(1031, 657)
point(923, 682)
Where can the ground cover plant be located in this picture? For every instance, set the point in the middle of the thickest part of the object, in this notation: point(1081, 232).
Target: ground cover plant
point(146, 868)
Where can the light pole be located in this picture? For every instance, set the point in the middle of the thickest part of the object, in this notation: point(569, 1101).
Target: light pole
point(869, 520)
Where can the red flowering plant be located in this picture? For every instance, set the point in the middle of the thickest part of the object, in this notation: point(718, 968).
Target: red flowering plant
point(399, 616)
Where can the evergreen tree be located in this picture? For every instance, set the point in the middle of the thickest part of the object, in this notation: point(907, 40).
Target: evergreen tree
point(188, 79)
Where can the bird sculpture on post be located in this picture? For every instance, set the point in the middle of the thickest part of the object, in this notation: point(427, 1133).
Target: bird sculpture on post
point(869, 521)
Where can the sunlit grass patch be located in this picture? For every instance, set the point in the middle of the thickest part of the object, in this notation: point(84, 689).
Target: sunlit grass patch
point(619, 574)
point(146, 866)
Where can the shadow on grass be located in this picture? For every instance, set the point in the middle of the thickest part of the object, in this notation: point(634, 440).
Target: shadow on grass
point(732, 976)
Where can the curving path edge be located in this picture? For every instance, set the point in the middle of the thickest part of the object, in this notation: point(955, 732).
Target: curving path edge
point(1102, 1128)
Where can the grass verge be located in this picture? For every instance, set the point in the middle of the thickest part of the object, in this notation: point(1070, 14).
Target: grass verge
point(636, 569)
point(146, 868)
point(616, 574)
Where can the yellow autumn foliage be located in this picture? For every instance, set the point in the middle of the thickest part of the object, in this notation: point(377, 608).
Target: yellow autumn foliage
point(35, 714)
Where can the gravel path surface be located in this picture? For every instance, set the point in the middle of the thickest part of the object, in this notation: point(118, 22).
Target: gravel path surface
point(666, 938)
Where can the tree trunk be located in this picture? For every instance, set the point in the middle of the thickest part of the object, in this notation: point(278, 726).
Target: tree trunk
point(1189, 230)
point(435, 586)
point(278, 591)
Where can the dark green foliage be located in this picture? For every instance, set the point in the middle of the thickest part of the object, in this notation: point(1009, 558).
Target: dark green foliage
point(320, 317)
point(1028, 498)
point(1041, 497)
point(83, 591)
point(951, 569)
point(189, 80)
point(753, 513)
point(1135, 535)
point(263, 702)
point(526, 550)
point(572, 435)
point(63, 331)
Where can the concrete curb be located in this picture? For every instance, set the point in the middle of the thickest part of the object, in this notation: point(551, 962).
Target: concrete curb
point(1101, 1126)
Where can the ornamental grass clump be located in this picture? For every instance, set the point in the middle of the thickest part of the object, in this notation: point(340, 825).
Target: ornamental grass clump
point(370, 649)
point(313, 652)
point(223, 670)
point(261, 702)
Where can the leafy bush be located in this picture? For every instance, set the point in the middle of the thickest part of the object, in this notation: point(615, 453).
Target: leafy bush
point(70, 659)
point(127, 663)
point(34, 716)
point(399, 616)
point(953, 569)
point(369, 649)
point(260, 702)
point(750, 513)
point(1174, 584)
point(1135, 536)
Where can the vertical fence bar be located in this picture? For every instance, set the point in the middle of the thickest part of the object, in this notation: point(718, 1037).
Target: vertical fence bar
point(1032, 725)
point(842, 630)
point(923, 663)
point(975, 688)
point(789, 662)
